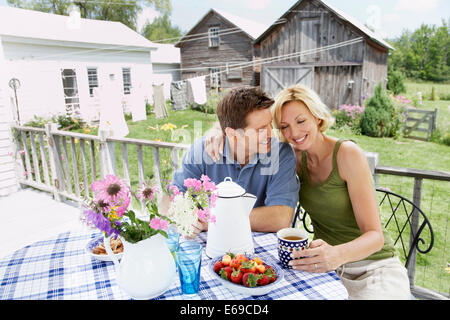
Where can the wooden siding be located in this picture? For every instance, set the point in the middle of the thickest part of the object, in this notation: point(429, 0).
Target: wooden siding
point(233, 48)
point(311, 25)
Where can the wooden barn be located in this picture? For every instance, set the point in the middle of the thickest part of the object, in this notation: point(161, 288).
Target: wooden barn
point(320, 46)
point(218, 46)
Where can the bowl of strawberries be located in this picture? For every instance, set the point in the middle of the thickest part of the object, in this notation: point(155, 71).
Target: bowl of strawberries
point(246, 274)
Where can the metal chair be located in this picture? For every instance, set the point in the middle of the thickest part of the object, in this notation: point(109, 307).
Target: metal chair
point(398, 213)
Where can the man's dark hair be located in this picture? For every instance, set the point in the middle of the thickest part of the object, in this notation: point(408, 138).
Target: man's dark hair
point(234, 107)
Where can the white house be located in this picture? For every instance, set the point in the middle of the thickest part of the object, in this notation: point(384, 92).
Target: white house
point(166, 66)
point(60, 60)
point(56, 62)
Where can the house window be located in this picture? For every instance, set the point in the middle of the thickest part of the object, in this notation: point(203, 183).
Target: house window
point(214, 76)
point(233, 73)
point(126, 73)
point(213, 36)
point(93, 80)
point(70, 87)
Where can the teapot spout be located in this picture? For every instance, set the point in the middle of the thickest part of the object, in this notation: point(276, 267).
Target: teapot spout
point(249, 201)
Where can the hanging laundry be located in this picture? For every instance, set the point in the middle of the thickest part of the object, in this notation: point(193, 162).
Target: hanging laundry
point(160, 103)
point(137, 104)
point(198, 89)
point(112, 118)
point(178, 95)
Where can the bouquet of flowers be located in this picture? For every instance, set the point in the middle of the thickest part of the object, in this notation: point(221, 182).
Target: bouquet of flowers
point(109, 209)
point(186, 208)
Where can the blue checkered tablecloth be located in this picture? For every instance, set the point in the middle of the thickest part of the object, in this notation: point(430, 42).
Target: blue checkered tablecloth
point(60, 268)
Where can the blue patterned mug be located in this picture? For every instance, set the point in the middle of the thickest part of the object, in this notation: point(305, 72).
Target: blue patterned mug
point(290, 240)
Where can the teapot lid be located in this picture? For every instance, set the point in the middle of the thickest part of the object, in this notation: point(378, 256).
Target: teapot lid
point(229, 189)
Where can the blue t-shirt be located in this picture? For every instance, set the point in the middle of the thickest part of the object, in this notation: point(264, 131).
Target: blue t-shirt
point(271, 177)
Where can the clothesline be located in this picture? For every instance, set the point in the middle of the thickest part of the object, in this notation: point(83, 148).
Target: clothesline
point(270, 59)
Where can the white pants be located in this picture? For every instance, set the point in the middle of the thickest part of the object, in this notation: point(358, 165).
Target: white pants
point(385, 279)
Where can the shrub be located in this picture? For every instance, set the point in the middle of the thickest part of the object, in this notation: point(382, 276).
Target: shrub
point(434, 95)
point(438, 136)
point(396, 82)
point(37, 122)
point(375, 123)
point(380, 117)
point(67, 122)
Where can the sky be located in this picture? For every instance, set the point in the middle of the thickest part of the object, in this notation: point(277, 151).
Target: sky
point(388, 17)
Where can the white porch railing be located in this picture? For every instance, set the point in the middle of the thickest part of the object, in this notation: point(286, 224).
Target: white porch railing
point(66, 163)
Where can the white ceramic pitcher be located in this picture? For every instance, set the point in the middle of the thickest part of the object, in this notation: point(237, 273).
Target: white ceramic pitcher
point(147, 268)
point(231, 232)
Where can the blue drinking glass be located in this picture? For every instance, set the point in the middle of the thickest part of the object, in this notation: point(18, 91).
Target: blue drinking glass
point(189, 257)
point(172, 241)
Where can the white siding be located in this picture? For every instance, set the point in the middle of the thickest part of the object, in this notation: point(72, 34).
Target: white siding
point(8, 181)
point(38, 67)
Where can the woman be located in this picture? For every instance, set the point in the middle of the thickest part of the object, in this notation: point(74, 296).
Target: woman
point(337, 192)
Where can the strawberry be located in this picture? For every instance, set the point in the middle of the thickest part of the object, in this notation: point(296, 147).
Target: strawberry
point(262, 280)
point(248, 266)
point(235, 263)
point(249, 279)
point(236, 276)
point(270, 273)
point(217, 266)
point(226, 259)
point(225, 273)
point(260, 268)
point(241, 257)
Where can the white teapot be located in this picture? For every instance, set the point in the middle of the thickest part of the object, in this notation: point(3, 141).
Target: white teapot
point(231, 232)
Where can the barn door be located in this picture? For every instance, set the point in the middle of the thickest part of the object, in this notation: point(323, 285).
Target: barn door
point(70, 86)
point(276, 78)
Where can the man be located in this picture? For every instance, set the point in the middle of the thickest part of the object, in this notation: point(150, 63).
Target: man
point(253, 159)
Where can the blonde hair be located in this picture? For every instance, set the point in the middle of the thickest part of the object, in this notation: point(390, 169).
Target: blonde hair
point(309, 98)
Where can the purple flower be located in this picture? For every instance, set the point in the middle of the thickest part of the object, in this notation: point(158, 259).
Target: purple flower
point(100, 222)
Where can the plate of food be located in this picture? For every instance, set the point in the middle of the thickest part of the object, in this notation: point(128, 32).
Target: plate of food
point(246, 274)
point(96, 249)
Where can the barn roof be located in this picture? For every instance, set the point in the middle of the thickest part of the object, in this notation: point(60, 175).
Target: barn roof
point(341, 14)
point(30, 24)
point(251, 28)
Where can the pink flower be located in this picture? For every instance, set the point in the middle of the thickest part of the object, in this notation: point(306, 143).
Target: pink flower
point(111, 190)
point(155, 223)
point(159, 224)
point(193, 183)
point(173, 191)
point(203, 214)
point(146, 192)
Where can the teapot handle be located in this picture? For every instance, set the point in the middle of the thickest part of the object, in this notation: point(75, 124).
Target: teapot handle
point(112, 256)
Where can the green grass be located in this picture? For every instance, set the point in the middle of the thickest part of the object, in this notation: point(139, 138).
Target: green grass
point(443, 106)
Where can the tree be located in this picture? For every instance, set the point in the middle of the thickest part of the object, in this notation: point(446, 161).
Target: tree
point(161, 29)
point(423, 54)
point(125, 11)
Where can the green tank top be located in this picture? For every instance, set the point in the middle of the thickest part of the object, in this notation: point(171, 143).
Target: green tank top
point(330, 209)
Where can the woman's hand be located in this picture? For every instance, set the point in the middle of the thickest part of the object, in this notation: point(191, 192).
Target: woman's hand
point(214, 141)
point(198, 227)
point(319, 257)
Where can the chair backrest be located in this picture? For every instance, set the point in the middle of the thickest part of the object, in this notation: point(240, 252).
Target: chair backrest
point(400, 217)
point(406, 222)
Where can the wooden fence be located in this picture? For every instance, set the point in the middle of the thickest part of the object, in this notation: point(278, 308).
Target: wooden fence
point(66, 163)
point(423, 121)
